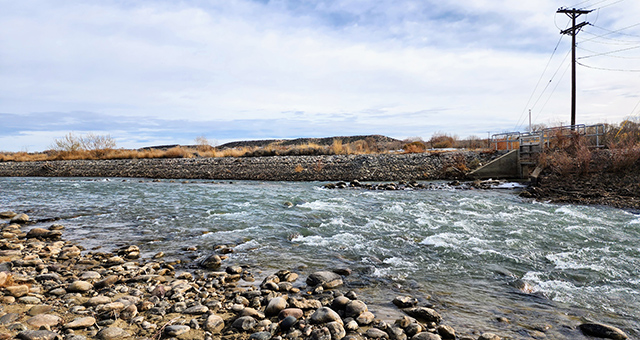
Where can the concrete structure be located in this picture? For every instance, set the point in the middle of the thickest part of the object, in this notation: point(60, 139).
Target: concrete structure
point(506, 167)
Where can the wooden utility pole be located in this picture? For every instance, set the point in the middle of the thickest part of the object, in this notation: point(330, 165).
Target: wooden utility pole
point(573, 30)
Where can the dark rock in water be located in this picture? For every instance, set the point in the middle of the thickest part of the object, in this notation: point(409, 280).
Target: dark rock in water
point(327, 279)
point(37, 335)
point(424, 314)
point(212, 261)
point(602, 331)
point(405, 301)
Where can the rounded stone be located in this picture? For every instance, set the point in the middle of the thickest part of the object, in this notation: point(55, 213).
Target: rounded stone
point(47, 320)
point(80, 286)
point(37, 335)
point(355, 308)
point(39, 309)
point(81, 323)
point(276, 305)
point(214, 324)
point(427, 336)
point(602, 331)
point(288, 322)
point(112, 333)
point(20, 218)
point(325, 315)
point(176, 330)
point(18, 291)
point(295, 312)
point(244, 323)
point(374, 333)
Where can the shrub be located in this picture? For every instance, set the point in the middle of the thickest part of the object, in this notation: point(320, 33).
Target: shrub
point(414, 147)
point(440, 140)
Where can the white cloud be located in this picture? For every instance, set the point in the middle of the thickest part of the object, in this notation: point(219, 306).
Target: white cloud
point(467, 66)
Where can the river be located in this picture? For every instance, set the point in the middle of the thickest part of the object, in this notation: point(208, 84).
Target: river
point(487, 260)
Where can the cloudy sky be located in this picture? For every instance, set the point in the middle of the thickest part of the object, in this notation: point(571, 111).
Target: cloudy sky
point(151, 72)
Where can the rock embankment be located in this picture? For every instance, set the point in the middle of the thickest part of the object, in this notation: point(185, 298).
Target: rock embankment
point(383, 167)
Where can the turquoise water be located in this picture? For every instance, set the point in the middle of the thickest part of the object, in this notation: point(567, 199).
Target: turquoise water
point(474, 255)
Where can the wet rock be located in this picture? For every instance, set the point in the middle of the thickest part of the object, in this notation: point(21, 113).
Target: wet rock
point(340, 303)
point(295, 312)
point(260, 336)
point(355, 308)
point(44, 233)
point(327, 279)
point(325, 315)
point(424, 314)
point(38, 335)
point(112, 333)
point(211, 262)
point(20, 219)
point(426, 336)
point(80, 323)
point(176, 330)
point(244, 323)
point(288, 322)
point(336, 329)
point(405, 301)
point(446, 332)
point(396, 333)
point(8, 214)
point(351, 325)
point(374, 333)
point(366, 318)
point(602, 331)
point(489, 336)
point(214, 324)
point(320, 334)
point(276, 305)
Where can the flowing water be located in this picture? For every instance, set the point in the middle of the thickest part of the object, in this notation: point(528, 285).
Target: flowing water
point(476, 256)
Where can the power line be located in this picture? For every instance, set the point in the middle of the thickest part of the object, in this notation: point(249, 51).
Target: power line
point(552, 92)
point(605, 69)
point(618, 30)
point(617, 42)
point(610, 52)
point(538, 83)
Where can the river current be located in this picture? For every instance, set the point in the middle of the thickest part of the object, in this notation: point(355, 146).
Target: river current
point(486, 260)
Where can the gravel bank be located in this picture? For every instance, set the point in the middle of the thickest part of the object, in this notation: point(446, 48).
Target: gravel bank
point(386, 167)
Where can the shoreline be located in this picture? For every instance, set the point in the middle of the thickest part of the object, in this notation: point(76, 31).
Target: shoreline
point(380, 167)
point(54, 289)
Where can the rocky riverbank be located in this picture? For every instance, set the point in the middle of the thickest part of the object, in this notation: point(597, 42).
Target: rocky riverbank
point(53, 289)
point(379, 167)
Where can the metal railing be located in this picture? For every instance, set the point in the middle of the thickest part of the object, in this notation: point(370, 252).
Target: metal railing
point(544, 138)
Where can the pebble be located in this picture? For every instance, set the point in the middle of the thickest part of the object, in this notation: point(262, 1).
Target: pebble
point(244, 323)
point(214, 324)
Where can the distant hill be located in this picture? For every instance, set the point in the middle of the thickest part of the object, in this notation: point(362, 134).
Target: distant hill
point(326, 141)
